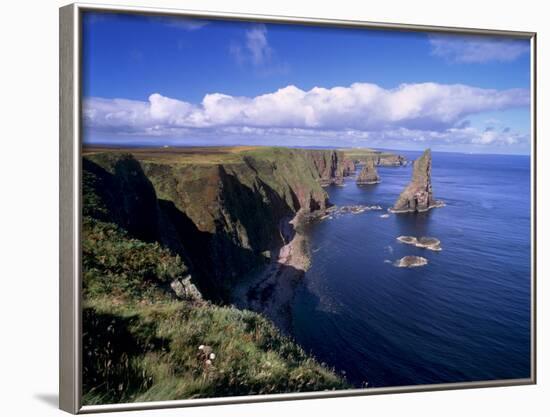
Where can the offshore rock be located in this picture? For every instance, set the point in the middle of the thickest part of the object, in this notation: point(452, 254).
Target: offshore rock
point(368, 174)
point(423, 242)
point(418, 195)
point(411, 262)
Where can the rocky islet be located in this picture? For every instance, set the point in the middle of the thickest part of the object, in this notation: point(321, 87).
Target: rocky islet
point(411, 261)
point(418, 194)
point(369, 174)
point(424, 242)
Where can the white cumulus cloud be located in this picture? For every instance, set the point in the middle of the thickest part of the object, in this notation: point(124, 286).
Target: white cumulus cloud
point(361, 106)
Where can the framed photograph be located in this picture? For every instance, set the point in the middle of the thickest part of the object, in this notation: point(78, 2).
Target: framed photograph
point(258, 208)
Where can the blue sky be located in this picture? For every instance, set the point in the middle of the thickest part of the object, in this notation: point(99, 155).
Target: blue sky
point(154, 80)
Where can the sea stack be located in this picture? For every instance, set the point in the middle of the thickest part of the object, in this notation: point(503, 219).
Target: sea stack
point(368, 174)
point(418, 195)
point(349, 167)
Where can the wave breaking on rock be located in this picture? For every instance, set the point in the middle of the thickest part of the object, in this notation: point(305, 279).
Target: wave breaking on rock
point(423, 242)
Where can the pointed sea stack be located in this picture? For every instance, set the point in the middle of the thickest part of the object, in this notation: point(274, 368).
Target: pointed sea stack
point(368, 174)
point(418, 195)
point(349, 167)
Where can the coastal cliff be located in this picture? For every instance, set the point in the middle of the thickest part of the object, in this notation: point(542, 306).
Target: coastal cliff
point(332, 166)
point(368, 174)
point(349, 167)
point(418, 195)
point(167, 236)
point(222, 212)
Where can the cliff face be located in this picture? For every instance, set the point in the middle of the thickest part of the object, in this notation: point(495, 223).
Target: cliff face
point(222, 218)
point(161, 230)
point(331, 166)
point(368, 174)
point(418, 195)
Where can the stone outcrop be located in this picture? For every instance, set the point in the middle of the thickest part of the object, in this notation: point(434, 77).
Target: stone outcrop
point(185, 289)
point(368, 174)
point(411, 262)
point(418, 195)
point(423, 242)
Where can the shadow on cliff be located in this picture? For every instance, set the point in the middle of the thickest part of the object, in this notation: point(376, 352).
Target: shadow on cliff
point(260, 210)
point(252, 221)
point(213, 258)
point(126, 197)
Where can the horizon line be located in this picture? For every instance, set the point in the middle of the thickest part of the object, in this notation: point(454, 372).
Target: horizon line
point(321, 147)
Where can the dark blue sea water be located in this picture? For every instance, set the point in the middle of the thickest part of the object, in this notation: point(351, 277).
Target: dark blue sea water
point(463, 317)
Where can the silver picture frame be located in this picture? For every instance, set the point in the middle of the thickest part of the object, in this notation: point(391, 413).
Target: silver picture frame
point(70, 203)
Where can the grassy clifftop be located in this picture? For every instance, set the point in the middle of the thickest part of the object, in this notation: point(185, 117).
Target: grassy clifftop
point(381, 158)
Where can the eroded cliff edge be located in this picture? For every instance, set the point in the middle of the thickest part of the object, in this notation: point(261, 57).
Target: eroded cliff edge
point(224, 212)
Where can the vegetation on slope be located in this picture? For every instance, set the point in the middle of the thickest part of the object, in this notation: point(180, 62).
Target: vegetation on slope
point(141, 342)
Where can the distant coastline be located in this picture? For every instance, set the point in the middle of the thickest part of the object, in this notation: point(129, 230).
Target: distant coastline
point(128, 145)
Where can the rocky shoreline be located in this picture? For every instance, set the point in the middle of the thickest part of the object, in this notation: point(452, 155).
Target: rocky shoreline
point(271, 290)
point(435, 204)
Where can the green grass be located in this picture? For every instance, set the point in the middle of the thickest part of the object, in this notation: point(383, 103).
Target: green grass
point(164, 360)
point(361, 153)
point(142, 344)
point(119, 266)
point(196, 155)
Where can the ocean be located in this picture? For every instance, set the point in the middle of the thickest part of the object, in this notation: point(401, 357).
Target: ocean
point(465, 316)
